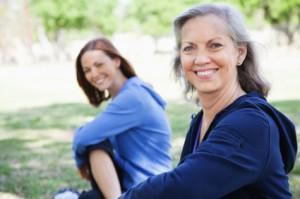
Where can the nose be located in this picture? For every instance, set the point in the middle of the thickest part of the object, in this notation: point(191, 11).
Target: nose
point(201, 59)
point(94, 72)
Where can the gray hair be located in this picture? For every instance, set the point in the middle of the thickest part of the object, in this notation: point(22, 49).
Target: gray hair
point(248, 74)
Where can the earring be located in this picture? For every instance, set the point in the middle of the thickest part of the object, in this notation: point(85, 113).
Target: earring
point(106, 93)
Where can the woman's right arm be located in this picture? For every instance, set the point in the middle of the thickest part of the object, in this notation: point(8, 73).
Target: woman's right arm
point(119, 116)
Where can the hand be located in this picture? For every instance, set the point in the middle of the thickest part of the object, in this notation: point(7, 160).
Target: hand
point(85, 173)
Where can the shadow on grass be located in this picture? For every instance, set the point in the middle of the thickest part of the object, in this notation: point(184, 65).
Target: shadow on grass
point(36, 171)
point(34, 164)
point(71, 115)
point(61, 116)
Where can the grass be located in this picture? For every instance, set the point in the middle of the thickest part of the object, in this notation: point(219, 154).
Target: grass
point(291, 108)
point(35, 145)
point(60, 116)
point(36, 167)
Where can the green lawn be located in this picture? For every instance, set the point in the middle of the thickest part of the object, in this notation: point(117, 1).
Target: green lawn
point(35, 145)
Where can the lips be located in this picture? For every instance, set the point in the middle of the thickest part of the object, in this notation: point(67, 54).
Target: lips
point(206, 73)
point(99, 80)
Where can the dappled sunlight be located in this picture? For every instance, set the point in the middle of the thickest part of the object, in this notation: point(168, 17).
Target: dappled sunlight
point(36, 154)
point(51, 135)
point(4, 195)
point(59, 116)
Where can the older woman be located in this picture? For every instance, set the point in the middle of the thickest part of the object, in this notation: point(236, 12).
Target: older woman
point(238, 145)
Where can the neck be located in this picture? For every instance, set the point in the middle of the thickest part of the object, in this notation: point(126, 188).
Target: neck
point(119, 82)
point(213, 103)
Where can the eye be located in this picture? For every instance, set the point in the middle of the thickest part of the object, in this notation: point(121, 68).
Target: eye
point(98, 65)
point(86, 70)
point(187, 48)
point(215, 45)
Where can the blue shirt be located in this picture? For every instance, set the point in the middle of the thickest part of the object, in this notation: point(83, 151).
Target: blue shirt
point(246, 153)
point(136, 124)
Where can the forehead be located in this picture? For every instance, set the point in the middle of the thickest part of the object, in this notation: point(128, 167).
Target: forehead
point(204, 27)
point(91, 56)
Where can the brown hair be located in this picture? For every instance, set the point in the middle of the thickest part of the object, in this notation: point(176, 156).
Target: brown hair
point(95, 96)
point(248, 73)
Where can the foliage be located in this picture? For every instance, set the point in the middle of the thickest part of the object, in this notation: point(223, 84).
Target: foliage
point(155, 18)
point(282, 15)
point(69, 14)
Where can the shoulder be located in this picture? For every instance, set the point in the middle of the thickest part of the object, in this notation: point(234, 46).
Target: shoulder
point(244, 115)
point(130, 96)
point(247, 121)
point(246, 110)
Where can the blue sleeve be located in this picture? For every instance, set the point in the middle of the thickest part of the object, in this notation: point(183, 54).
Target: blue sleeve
point(233, 155)
point(123, 113)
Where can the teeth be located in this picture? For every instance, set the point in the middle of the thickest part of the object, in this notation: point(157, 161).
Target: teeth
point(100, 81)
point(205, 73)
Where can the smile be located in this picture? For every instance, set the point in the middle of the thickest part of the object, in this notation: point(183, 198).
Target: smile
point(206, 73)
point(100, 80)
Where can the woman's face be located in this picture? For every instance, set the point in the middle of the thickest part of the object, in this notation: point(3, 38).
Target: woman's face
point(99, 69)
point(208, 55)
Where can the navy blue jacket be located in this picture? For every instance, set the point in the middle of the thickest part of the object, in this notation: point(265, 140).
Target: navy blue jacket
point(247, 152)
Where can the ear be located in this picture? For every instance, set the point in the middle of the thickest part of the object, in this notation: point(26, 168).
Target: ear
point(117, 61)
point(242, 52)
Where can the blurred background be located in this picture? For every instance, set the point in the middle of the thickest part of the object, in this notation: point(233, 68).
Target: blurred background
point(41, 103)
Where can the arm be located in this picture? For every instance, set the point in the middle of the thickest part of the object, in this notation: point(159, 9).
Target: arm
point(105, 174)
point(233, 156)
point(119, 116)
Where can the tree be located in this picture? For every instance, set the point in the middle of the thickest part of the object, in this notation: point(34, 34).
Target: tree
point(15, 31)
point(283, 15)
point(155, 17)
point(57, 15)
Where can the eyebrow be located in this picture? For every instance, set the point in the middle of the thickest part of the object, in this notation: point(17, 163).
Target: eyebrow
point(187, 42)
point(210, 40)
point(97, 62)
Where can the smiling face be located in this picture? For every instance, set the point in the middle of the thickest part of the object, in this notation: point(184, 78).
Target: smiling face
point(208, 55)
point(100, 70)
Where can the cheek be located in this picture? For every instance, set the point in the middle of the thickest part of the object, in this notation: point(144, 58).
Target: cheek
point(225, 60)
point(88, 77)
point(186, 62)
point(113, 71)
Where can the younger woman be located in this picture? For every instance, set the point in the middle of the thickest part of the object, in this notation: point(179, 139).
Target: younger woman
point(130, 140)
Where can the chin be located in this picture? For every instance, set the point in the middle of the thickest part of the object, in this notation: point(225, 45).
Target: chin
point(205, 91)
point(102, 87)
point(99, 88)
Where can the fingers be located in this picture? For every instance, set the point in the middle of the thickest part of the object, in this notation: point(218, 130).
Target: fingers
point(84, 173)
